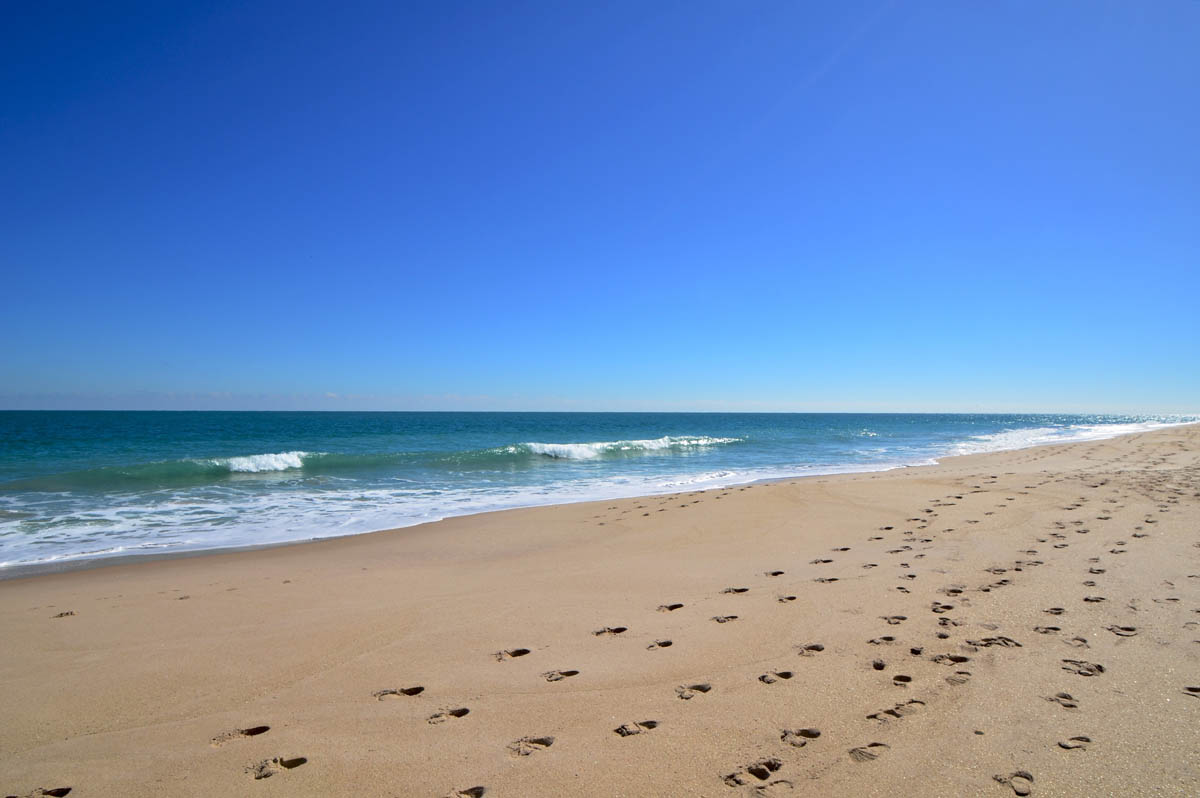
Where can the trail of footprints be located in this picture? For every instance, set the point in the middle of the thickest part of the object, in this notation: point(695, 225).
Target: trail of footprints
point(766, 773)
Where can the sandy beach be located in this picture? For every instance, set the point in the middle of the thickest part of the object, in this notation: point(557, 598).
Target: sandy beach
point(1025, 622)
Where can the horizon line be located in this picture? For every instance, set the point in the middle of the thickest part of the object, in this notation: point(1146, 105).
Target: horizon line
point(616, 412)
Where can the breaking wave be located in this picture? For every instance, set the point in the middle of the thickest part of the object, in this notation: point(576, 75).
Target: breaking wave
point(590, 451)
point(258, 463)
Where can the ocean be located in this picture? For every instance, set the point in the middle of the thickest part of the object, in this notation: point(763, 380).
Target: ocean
point(82, 484)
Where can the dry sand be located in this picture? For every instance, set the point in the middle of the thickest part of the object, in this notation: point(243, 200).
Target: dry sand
point(1000, 623)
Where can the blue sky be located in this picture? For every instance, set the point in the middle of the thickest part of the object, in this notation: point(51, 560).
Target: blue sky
point(625, 206)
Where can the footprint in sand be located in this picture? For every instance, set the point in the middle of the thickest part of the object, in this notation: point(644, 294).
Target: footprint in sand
point(735, 590)
point(444, 715)
point(819, 561)
point(637, 727)
point(1021, 781)
point(798, 738)
point(785, 599)
point(1047, 630)
point(893, 620)
point(1077, 642)
point(690, 691)
point(1194, 692)
point(40, 791)
point(724, 618)
point(610, 630)
point(825, 579)
point(1094, 599)
point(669, 607)
point(511, 653)
point(882, 641)
point(865, 753)
point(558, 676)
point(772, 573)
point(1064, 700)
point(760, 770)
point(66, 614)
point(1000, 640)
point(774, 676)
point(900, 680)
point(898, 711)
point(397, 691)
point(1055, 611)
point(529, 745)
point(1122, 631)
point(811, 649)
point(252, 731)
point(950, 659)
point(1080, 743)
point(269, 767)
point(470, 792)
point(958, 677)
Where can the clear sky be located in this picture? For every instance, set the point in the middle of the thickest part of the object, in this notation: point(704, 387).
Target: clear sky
point(601, 205)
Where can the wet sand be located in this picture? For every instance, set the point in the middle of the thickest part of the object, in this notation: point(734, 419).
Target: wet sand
point(1024, 622)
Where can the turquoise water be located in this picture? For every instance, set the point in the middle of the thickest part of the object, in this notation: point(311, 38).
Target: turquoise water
point(93, 484)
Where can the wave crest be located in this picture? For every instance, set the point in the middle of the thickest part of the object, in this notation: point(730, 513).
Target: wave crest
point(258, 463)
point(590, 451)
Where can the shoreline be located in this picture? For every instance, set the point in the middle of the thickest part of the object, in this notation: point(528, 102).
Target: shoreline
point(910, 631)
point(84, 562)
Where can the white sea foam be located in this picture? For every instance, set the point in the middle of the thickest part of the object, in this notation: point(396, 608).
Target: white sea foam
point(1041, 436)
point(258, 463)
point(588, 451)
point(1009, 439)
point(712, 479)
point(234, 518)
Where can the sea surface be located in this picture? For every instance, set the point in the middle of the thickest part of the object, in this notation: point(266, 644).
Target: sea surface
point(95, 484)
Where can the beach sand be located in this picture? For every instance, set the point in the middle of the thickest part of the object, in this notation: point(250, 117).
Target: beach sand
point(1000, 623)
